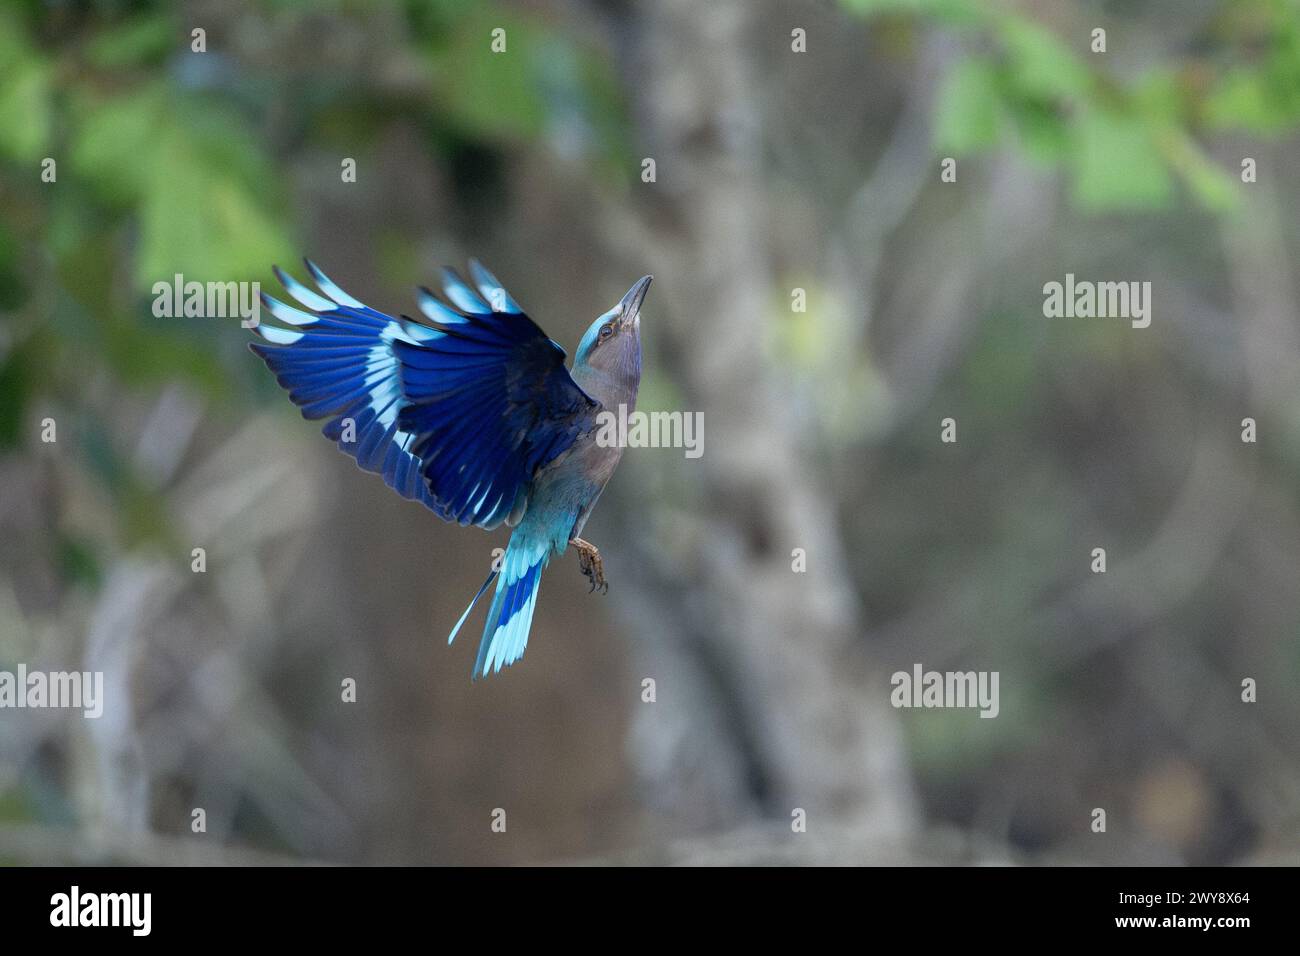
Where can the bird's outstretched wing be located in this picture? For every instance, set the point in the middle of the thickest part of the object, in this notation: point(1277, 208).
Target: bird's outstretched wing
point(459, 415)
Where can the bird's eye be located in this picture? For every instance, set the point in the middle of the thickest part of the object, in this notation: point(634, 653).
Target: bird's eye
point(606, 331)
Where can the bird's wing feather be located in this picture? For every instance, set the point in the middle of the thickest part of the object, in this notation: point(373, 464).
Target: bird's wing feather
point(460, 416)
point(336, 361)
point(491, 403)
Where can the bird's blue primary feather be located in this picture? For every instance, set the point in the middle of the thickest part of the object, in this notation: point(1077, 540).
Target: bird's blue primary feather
point(491, 403)
point(491, 289)
point(458, 417)
point(337, 363)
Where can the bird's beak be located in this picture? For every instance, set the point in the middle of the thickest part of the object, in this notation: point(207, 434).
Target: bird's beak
point(629, 310)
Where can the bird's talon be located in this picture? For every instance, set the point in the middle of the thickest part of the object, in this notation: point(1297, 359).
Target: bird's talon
point(589, 562)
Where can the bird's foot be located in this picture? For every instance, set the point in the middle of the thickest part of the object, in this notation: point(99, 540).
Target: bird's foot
point(592, 567)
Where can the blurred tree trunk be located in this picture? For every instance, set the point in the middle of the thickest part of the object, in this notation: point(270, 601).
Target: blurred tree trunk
point(764, 700)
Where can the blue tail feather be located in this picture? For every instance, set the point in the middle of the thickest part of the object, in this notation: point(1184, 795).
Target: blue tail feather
point(456, 630)
point(505, 635)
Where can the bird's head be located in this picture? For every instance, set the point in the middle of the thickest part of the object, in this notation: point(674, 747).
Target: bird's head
point(611, 345)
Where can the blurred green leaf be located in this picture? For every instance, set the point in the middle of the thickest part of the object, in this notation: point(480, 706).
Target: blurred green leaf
point(968, 108)
point(199, 220)
point(1117, 164)
point(25, 93)
point(1244, 100)
point(1160, 94)
point(1214, 188)
point(25, 109)
point(493, 94)
point(1041, 65)
point(1043, 134)
point(114, 143)
point(145, 39)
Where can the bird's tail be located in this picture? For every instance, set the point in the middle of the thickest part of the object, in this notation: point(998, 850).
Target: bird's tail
point(505, 634)
point(456, 630)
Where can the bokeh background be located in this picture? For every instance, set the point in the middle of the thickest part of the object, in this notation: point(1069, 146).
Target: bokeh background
point(776, 170)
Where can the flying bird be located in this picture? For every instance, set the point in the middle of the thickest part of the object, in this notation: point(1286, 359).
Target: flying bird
point(472, 413)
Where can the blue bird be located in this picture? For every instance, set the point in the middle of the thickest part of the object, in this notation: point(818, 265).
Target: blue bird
point(473, 414)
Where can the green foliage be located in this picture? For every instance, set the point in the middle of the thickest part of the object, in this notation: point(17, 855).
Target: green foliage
point(1116, 162)
point(544, 82)
point(1040, 66)
point(140, 41)
point(968, 114)
point(195, 174)
point(1245, 98)
point(1124, 146)
point(1261, 95)
point(25, 95)
point(114, 140)
point(200, 220)
point(497, 95)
